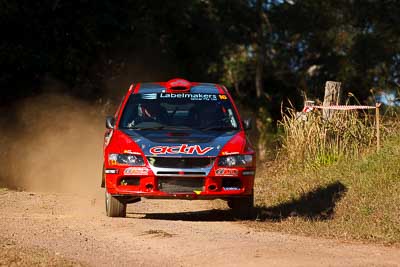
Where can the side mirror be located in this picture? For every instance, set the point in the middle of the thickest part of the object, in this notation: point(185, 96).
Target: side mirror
point(110, 122)
point(247, 124)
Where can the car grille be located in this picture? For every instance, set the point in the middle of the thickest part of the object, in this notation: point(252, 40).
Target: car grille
point(186, 173)
point(180, 163)
point(180, 185)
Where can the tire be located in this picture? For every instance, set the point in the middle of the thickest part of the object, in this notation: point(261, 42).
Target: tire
point(114, 207)
point(103, 179)
point(242, 207)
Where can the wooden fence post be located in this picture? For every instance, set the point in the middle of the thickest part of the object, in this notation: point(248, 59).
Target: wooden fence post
point(378, 132)
point(333, 92)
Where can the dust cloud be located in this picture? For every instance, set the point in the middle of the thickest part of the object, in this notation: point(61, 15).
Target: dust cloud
point(52, 143)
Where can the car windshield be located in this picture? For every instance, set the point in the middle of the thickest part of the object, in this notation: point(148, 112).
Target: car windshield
point(179, 111)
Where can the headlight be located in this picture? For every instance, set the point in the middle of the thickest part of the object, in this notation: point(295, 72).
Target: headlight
point(236, 161)
point(125, 159)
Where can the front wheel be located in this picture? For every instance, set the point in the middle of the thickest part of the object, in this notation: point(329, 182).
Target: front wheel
point(242, 207)
point(103, 178)
point(114, 207)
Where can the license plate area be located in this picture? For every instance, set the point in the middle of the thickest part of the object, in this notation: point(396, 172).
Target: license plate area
point(180, 185)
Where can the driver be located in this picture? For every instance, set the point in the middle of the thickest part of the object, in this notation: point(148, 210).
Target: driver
point(153, 112)
point(212, 113)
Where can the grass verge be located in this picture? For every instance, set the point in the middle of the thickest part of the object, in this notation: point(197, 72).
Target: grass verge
point(350, 199)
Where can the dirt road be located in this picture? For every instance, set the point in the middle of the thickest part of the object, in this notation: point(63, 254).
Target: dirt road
point(58, 148)
point(66, 229)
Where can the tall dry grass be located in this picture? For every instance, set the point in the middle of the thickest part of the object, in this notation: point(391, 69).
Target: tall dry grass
point(358, 197)
point(310, 140)
point(351, 199)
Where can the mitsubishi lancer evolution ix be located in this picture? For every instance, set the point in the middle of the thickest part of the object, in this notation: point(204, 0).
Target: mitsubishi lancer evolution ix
point(177, 140)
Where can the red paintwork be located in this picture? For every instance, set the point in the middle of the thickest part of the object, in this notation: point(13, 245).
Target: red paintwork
point(220, 90)
point(121, 143)
point(136, 89)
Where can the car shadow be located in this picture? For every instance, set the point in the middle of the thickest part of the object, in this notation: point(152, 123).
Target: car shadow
point(318, 204)
point(214, 215)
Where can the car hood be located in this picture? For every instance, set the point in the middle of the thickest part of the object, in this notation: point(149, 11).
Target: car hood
point(180, 143)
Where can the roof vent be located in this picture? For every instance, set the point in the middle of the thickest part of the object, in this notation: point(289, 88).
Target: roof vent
point(178, 85)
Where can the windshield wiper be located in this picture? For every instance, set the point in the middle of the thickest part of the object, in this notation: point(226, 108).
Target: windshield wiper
point(218, 128)
point(160, 127)
point(145, 128)
point(216, 125)
point(170, 127)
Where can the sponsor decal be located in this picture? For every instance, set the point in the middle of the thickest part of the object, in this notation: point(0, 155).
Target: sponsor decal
point(149, 96)
point(131, 152)
point(182, 149)
point(227, 172)
point(246, 173)
point(223, 97)
point(193, 97)
point(229, 153)
point(136, 171)
point(231, 188)
point(111, 171)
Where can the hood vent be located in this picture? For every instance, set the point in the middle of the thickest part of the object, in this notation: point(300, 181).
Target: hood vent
point(180, 140)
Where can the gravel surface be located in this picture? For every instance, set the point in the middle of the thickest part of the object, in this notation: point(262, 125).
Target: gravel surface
point(49, 229)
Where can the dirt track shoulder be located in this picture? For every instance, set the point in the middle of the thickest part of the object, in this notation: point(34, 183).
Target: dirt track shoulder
point(163, 233)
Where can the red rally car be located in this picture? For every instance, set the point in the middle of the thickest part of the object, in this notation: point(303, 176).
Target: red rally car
point(181, 140)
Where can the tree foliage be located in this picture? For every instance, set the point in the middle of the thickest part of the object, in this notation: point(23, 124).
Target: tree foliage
point(85, 43)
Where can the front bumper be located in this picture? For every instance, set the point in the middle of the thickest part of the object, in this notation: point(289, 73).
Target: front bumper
point(180, 186)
